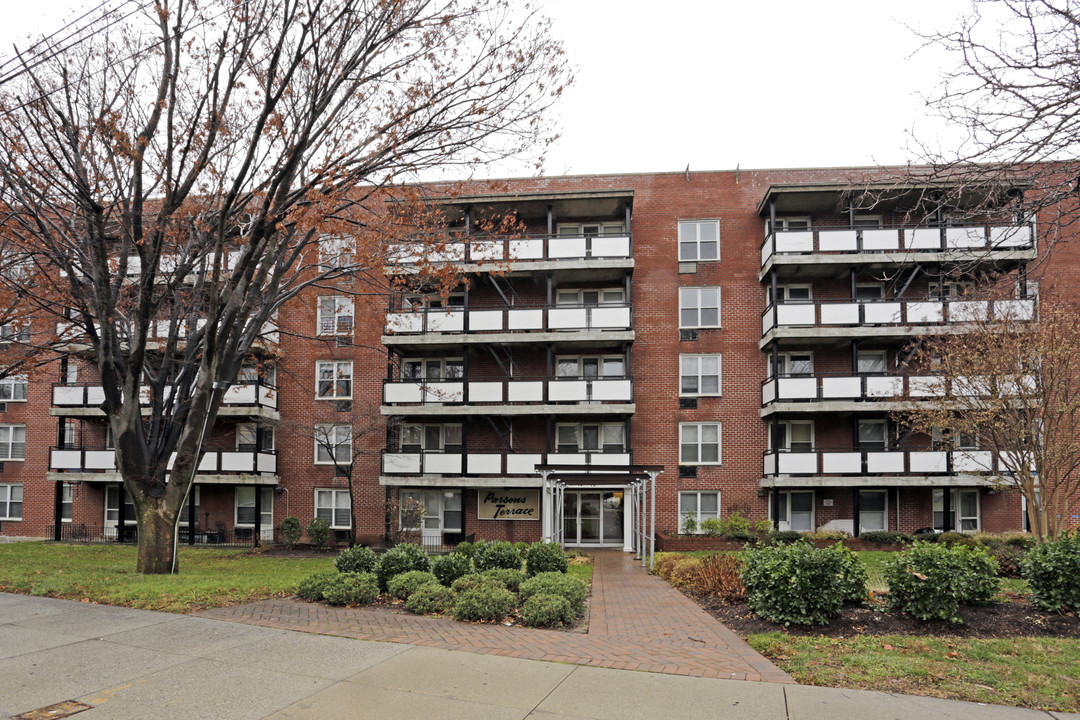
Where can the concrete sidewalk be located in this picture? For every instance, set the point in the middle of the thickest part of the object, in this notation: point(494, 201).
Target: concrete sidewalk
point(140, 664)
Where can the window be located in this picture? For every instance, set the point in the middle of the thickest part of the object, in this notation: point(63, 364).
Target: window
point(13, 389)
point(112, 506)
point(873, 505)
point(590, 437)
point(866, 221)
point(871, 363)
point(872, 434)
point(69, 373)
point(963, 513)
point(590, 298)
point(953, 289)
point(951, 439)
point(699, 374)
point(431, 438)
point(66, 502)
point(796, 510)
point(11, 501)
point(248, 438)
point(795, 435)
point(590, 367)
point(336, 252)
point(795, 364)
point(420, 302)
point(790, 293)
point(868, 291)
point(699, 307)
point(333, 506)
point(699, 240)
point(428, 369)
point(333, 443)
point(335, 315)
point(251, 374)
point(442, 509)
point(699, 443)
point(334, 379)
point(12, 442)
point(793, 224)
point(18, 331)
point(245, 506)
point(185, 512)
point(593, 229)
point(700, 506)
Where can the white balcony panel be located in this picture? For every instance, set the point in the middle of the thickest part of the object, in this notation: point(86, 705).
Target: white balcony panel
point(974, 386)
point(766, 251)
point(96, 395)
point(481, 250)
point(795, 314)
point(926, 386)
point(526, 391)
point(100, 460)
point(450, 321)
point(613, 390)
point(965, 238)
point(486, 392)
point(795, 241)
point(568, 318)
point(442, 463)
point(65, 460)
point(484, 463)
point(404, 322)
point(610, 317)
point(567, 459)
point(767, 321)
point(566, 247)
point(928, 462)
point(611, 459)
point(891, 463)
point(838, 241)
point(526, 249)
point(611, 247)
point(568, 390)
point(266, 463)
point(882, 313)
point(525, 319)
point(768, 392)
point(924, 239)
point(207, 463)
point(1010, 236)
point(840, 314)
point(880, 239)
point(68, 396)
point(798, 463)
point(401, 463)
point(925, 312)
point(884, 387)
point(839, 388)
point(403, 254)
point(243, 462)
point(480, 320)
point(769, 464)
point(444, 392)
point(403, 392)
point(841, 463)
point(1014, 309)
point(967, 311)
point(522, 463)
point(972, 461)
point(801, 388)
point(240, 395)
point(453, 252)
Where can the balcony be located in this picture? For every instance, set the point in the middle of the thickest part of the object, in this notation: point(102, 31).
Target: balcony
point(217, 465)
point(526, 252)
point(258, 400)
point(845, 244)
point(545, 323)
point(885, 466)
point(873, 318)
point(495, 465)
point(509, 396)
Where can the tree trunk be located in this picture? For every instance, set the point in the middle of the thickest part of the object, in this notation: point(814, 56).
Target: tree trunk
point(155, 539)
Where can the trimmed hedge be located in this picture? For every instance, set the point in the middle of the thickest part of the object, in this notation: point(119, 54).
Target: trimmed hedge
point(885, 537)
point(311, 587)
point(931, 580)
point(555, 583)
point(448, 568)
point(473, 581)
point(484, 604)
point(546, 610)
point(545, 557)
point(351, 589)
point(511, 579)
point(431, 599)
point(496, 554)
point(400, 559)
point(800, 584)
point(356, 559)
point(402, 586)
point(1053, 571)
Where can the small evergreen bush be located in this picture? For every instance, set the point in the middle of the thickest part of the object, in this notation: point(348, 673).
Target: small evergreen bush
point(521, 547)
point(885, 537)
point(545, 610)
point(712, 527)
point(736, 527)
point(472, 581)
point(545, 557)
point(431, 599)
point(955, 538)
point(689, 525)
point(311, 587)
point(291, 531)
point(356, 559)
point(319, 532)
point(1053, 571)
point(351, 589)
point(466, 548)
point(801, 584)
point(511, 579)
point(448, 568)
point(555, 583)
point(402, 586)
point(931, 580)
point(400, 559)
point(484, 604)
point(785, 536)
point(496, 554)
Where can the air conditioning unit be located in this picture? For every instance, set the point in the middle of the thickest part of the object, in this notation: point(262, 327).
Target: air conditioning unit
point(688, 403)
point(343, 405)
point(688, 335)
point(688, 471)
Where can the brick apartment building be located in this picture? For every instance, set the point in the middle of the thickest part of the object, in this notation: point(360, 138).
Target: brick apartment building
point(744, 332)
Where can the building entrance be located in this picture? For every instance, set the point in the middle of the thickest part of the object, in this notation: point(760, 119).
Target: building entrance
point(593, 517)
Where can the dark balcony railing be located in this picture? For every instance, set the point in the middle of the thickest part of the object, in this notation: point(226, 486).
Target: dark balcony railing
point(94, 534)
point(503, 390)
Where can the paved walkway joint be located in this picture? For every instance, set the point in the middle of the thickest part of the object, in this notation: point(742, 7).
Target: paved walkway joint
point(637, 622)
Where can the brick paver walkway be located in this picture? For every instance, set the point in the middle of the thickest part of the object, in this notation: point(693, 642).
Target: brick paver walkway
point(636, 622)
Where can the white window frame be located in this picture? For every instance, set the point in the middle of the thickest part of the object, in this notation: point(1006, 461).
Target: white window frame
point(426, 366)
point(9, 333)
point(267, 513)
point(601, 428)
point(601, 364)
point(339, 501)
point(12, 449)
point(698, 443)
point(604, 229)
point(113, 493)
point(884, 511)
point(334, 251)
point(8, 493)
point(867, 221)
point(786, 440)
point(249, 432)
point(698, 375)
point(783, 291)
point(608, 296)
point(341, 435)
point(194, 493)
point(690, 299)
point(783, 223)
point(697, 513)
point(67, 502)
point(937, 439)
point(12, 387)
point(785, 364)
point(335, 315)
point(423, 428)
point(879, 287)
point(876, 422)
point(418, 302)
point(785, 504)
point(955, 505)
point(336, 366)
point(690, 235)
point(872, 355)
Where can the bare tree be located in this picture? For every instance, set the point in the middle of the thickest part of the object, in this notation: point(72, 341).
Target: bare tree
point(189, 169)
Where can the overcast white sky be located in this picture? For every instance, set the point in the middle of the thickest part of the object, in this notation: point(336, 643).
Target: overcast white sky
point(714, 83)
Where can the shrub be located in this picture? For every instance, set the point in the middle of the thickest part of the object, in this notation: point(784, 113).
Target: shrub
point(545, 557)
point(663, 562)
point(401, 586)
point(685, 572)
point(689, 525)
point(885, 537)
point(554, 583)
point(931, 580)
point(484, 604)
point(311, 587)
point(472, 581)
point(785, 536)
point(466, 548)
point(351, 589)
point(448, 568)
point(801, 584)
point(291, 531)
point(400, 559)
point(1053, 571)
point(511, 579)
point(736, 527)
point(497, 554)
point(712, 527)
point(319, 532)
point(1010, 559)
point(521, 547)
point(431, 599)
point(720, 576)
point(545, 610)
point(827, 535)
point(955, 538)
point(356, 559)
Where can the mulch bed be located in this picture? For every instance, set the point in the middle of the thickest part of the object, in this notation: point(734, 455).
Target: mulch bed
point(1015, 618)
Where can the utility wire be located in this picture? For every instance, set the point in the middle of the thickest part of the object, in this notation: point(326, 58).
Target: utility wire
point(45, 38)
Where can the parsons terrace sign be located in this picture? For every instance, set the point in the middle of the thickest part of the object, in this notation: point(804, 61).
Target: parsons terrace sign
point(507, 504)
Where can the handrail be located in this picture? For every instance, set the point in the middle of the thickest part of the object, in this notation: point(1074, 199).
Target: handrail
point(907, 231)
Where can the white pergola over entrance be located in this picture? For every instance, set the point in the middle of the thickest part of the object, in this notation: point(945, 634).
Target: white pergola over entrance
point(638, 481)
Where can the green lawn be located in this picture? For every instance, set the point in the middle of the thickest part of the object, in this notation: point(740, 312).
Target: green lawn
point(581, 572)
point(106, 574)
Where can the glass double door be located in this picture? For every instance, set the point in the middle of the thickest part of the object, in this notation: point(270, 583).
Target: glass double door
point(593, 517)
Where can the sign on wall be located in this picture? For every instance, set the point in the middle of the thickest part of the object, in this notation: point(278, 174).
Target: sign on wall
point(508, 504)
